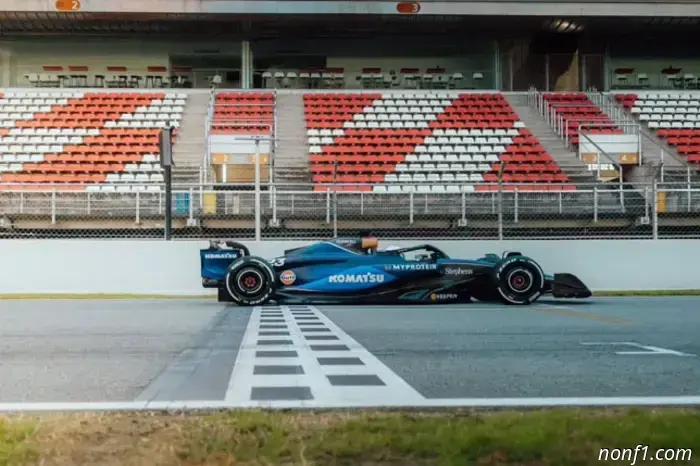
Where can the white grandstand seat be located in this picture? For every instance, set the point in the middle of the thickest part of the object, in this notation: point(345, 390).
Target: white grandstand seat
point(83, 138)
point(418, 138)
point(675, 116)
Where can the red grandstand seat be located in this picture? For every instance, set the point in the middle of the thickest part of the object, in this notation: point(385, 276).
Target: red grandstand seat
point(674, 116)
point(577, 109)
point(243, 113)
point(458, 141)
point(88, 138)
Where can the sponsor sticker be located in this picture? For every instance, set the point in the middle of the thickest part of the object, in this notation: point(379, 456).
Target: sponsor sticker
point(221, 255)
point(278, 262)
point(288, 277)
point(458, 271)
point(409, 267)
point(356, 278)
point(442, 296)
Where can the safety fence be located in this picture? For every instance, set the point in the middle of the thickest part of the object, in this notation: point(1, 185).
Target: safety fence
point(651, 211)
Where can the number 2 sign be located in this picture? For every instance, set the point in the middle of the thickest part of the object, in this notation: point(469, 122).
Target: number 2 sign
point(68, 5)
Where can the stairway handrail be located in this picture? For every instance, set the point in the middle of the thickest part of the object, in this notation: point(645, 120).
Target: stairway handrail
point(205, 173)
point(545, 109)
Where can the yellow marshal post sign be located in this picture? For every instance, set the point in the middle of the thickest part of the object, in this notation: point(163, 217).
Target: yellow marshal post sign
point(629, 159)
point(238, 159)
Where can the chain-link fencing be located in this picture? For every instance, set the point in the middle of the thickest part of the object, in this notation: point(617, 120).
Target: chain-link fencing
point(595, 211)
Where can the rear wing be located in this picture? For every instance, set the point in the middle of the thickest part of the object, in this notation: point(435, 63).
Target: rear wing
point(215, 260)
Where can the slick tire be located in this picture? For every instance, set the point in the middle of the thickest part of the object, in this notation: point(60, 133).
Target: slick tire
point(519, 281)
point(250, 281)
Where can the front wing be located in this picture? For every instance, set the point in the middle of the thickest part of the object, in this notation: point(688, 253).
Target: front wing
point(566, 285)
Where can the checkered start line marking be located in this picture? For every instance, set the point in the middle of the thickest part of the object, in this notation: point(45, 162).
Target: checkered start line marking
point(295, 354)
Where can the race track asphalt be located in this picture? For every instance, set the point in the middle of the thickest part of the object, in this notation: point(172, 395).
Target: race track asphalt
point(199, 350)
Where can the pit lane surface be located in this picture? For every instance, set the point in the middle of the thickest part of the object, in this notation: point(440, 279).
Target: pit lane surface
point(185, 350)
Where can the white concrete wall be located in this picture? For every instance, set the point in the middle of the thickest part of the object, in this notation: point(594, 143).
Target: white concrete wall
point(158, 267)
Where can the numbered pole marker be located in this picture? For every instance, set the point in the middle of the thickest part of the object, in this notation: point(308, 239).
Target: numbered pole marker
point(68, 5)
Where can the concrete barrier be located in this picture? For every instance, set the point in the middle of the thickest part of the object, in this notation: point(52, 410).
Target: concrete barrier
point(159, 267)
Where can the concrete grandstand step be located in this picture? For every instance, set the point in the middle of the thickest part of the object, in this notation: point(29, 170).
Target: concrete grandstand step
point(190, 146)
point(186, 175)
point(292, 151)
point(295, 182)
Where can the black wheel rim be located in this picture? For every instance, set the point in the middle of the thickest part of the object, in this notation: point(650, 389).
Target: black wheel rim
point(520, 280)
point(250, 281)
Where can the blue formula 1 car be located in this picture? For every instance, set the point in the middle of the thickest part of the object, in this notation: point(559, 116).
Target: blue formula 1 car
point(354, 270)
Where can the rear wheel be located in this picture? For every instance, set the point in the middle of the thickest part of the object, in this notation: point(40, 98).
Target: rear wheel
point(519, 280)
point(250, 281)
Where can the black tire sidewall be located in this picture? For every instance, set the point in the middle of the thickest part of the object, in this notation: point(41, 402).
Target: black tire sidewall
point(259, 265)
point(510, 296)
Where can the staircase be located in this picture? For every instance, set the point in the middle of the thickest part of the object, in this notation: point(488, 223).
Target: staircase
point(190, 144)
point(566, 158)
point(291, 159)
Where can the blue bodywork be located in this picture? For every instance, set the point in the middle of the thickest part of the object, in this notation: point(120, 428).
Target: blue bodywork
point(342, 271)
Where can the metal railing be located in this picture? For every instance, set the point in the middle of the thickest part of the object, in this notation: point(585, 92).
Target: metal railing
point(624, 120)
point(653, 80)
point(608, 107)
point(677, 164)
point(498, 211)
point(377, 80)
point(206, 162)
point(601, 152)
point(560, 125)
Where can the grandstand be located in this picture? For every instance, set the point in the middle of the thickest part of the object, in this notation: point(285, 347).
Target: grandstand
point(455, 136)
point(429, 142)
point(96, 141)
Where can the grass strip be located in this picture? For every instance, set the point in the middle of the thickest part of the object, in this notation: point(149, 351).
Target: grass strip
point(557, 437)
point(648, 293)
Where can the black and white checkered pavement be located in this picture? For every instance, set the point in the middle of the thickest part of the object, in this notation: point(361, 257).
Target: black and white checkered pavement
point(295, 355)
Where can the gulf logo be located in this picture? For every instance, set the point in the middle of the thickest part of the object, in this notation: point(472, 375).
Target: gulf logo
point(288, 277)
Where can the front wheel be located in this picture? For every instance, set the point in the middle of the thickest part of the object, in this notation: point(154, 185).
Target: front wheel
point(250, 281)
point(519, 280)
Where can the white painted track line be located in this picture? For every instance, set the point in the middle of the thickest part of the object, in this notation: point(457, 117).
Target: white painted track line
point(242, 367)
point(426, 403)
